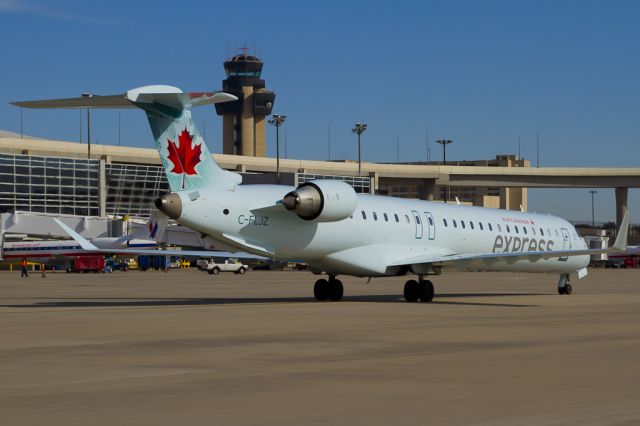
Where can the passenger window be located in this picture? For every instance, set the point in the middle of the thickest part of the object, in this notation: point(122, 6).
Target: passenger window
point(396, 216)
point(364, 215)
point(480, 225)
point(418, 220)
point(445, 222)
point(430, 221)
point(508, 230)
point(490, 227)
point(471, 224)
point(516, 227)
point(375, 216)
point(406, 218)
point(462, 223)
point(533, 230)
point(386, 218)
point(524, 229)
point(455, 224)
point(541, 232)
point(499, 227)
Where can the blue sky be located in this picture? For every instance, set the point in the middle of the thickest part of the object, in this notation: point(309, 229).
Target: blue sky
point(482, 73)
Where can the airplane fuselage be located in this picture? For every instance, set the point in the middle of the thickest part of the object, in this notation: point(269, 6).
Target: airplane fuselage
point(52, 251)
point(380, 231)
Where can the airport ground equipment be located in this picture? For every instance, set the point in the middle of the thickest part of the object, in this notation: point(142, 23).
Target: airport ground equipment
point(229, 265)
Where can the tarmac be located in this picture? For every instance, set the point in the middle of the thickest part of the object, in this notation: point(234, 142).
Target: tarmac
point(188, 348)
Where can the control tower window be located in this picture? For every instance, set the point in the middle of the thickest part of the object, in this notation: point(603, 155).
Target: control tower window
point(231, 73)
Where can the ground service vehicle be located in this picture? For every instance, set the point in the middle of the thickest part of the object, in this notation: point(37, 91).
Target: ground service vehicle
point(87, 264)
point(229, 265)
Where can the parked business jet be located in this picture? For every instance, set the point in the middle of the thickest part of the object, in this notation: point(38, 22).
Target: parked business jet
point(329, 226)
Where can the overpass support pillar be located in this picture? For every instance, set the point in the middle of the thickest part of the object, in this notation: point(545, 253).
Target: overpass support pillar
point(622, 194)
point(513, 198)
point(426, 189)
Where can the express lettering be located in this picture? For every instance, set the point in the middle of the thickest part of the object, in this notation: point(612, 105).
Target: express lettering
point(506, 244)
point(253, 220)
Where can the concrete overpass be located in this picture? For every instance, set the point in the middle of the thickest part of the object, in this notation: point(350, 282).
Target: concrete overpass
point(425, 176)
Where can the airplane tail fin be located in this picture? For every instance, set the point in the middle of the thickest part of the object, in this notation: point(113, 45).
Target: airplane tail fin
point(186, 159)
point(154, 228)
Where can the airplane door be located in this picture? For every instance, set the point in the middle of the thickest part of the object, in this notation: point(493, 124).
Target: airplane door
point(431, 226)
point(566, 241)
point(418, 222)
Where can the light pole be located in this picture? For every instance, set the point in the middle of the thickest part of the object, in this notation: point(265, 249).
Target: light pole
point(88, 95)
point(444, 143)
point(277, 120)
point(593, 208)
point(358, 129)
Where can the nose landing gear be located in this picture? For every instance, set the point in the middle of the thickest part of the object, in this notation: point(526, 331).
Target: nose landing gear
point(563, 285)
point(422, 290)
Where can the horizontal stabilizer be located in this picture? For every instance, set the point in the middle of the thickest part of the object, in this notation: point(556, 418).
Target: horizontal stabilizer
point(111, 101)
point(165, 95)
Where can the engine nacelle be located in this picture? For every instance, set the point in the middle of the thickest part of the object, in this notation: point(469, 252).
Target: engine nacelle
point(322, 200)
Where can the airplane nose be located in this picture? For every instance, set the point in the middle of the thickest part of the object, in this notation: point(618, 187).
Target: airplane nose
point(170, 204)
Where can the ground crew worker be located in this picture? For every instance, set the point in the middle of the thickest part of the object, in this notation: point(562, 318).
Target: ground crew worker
point(24, 268)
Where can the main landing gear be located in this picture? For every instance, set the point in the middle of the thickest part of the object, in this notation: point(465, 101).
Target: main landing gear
point(422, 290)
point(330, 289)
point(563, 285)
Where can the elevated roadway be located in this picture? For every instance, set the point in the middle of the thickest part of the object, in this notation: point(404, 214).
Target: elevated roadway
point(426, 177)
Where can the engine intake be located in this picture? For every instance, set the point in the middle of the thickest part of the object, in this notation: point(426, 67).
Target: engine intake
point(322, 200)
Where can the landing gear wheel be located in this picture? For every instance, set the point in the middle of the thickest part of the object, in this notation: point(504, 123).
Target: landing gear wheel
point(567, 289)
point(336, 290)
point(321, 289)
point(411, 291)
point(426, 291)
point(563, 285)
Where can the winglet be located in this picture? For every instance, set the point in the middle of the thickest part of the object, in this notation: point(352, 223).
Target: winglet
point(623, 233)
point(84, 243)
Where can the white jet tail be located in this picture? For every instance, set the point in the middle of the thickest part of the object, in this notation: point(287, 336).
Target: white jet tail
point(187, 161)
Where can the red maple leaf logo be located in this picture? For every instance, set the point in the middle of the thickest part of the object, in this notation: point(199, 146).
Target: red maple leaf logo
point(184, 157)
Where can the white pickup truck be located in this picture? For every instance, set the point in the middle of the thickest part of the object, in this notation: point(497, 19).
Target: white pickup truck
point(229, 265)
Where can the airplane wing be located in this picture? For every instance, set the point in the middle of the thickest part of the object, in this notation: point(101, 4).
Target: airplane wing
point(86, 245)
point(487, 260)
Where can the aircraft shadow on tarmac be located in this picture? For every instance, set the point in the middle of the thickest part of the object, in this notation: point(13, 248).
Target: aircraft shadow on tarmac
point(153, 302)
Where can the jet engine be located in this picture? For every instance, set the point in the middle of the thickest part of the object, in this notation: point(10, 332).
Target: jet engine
point(322, 200)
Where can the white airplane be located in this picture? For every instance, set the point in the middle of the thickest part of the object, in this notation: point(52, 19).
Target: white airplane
point(51, 251)
point(330, 227)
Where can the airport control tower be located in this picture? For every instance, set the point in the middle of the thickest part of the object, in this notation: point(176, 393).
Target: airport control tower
point(243, 125)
